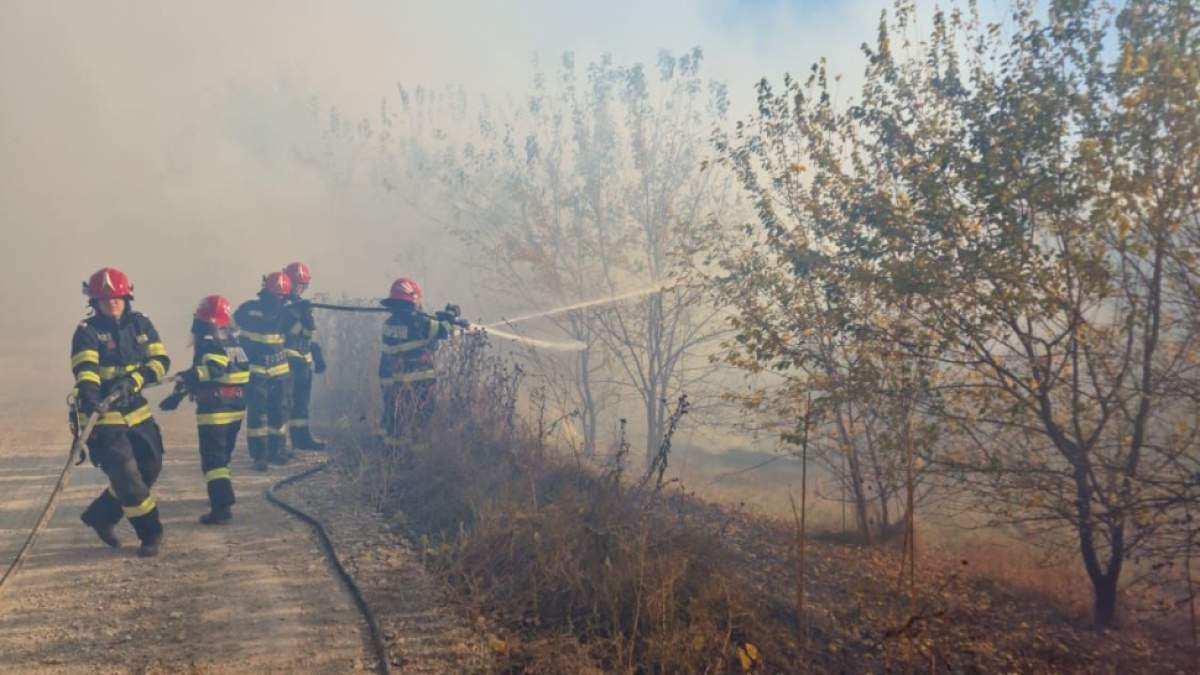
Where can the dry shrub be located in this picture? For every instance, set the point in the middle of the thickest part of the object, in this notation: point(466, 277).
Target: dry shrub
point(586, 571)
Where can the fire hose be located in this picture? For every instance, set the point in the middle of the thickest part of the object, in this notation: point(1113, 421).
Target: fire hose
point(377, 641)
point(77, 450)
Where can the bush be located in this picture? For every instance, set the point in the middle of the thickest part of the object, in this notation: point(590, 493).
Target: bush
point(585, 570)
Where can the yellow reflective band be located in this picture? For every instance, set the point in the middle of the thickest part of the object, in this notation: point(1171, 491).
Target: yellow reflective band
point(238, 377)
point(219, 359)
point(279, 431)
point(273, 371)
point(256, 433)
point(87, 376)
point(263, 338)
point(218, 474)
point(202, 373)
point(138, 380)
point(156, 349)
point(212, 419)
point(297, 422)
point(85, 356)
point(160, 371)
point(133, 418)
point(138, 416)
point(113, 372)
point(402, 347)
point(111, 419)
point(293, 353)
point(417, 376)
point(142, 509)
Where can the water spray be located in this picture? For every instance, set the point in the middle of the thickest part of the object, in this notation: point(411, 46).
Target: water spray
point(628, 295)
point(494, 328)
point(552, 345)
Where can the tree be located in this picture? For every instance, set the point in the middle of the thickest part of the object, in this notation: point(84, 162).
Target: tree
point(1019, 212)
point(586, 189)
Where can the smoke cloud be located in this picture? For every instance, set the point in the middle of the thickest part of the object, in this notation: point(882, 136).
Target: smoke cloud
point(161, 138)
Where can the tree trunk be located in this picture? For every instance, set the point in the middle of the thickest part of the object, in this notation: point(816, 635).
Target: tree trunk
point(653, 432)
point(1104, 590)
point(587, 412)
point(855, 479)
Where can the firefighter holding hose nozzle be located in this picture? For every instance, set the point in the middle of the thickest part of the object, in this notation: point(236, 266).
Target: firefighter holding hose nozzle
point(304, 357)
point(263, 324)
point(216, 381)
point(406, 368)
point(118, 351)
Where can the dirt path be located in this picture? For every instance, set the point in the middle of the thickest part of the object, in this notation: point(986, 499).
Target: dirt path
point(254, 596)
point(426, 633)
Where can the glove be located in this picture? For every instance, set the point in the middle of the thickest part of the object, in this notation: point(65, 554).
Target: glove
point(452, 314)
point(186, 379)
point(318, 359)
point(125, 388)
point(172, 402)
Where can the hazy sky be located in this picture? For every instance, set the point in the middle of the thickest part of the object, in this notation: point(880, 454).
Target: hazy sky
point(157, 137)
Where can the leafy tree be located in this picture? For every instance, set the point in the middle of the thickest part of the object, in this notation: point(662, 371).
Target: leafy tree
point(1016, 216)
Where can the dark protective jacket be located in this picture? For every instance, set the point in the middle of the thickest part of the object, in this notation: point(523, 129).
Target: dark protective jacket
point(103, 351)
point(299, 339)
point(218, 376)
point(263, 324)
point(410, 340)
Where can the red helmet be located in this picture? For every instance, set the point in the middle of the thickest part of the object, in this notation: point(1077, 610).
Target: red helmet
point(108, 283)
point(277, 283)
point(214, 309)
point(298, 273)
point(406, 290)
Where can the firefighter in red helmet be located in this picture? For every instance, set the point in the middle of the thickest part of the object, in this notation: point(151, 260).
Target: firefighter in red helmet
point(263, 324)
point(304, 357)
point(406, 367)
point(216, 381)
point(117, 351)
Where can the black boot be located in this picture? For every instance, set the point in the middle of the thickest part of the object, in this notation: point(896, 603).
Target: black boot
point(302, 439)
point(280, 458)
point(150, 531)
point(105, 532)
point(102, 515)
point(218, 516)
point(149, 549)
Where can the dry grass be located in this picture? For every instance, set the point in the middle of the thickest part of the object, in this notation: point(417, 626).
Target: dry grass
point(583, 572)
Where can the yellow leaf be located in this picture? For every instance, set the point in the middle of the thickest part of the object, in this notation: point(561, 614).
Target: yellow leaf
point(747, 656)
point(497, 645)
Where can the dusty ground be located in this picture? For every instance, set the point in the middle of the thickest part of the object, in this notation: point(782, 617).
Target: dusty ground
point(424, 633)
point(251, 597)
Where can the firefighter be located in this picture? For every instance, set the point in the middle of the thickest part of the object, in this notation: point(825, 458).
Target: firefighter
point(406, 369)
point(263, 323)
point(216, 381)
point(116, 350)
point(304, 357)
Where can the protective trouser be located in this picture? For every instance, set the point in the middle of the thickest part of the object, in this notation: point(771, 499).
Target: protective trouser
point(132, 458)
point(217, 442)
point(302, 378)
point(267, 416)
point(407, 408)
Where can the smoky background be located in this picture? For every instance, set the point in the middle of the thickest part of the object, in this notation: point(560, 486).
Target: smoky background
point(176, 142)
